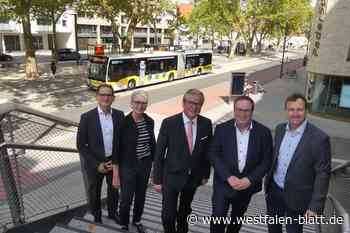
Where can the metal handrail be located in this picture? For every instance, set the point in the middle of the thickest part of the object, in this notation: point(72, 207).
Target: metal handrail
point(9, 107)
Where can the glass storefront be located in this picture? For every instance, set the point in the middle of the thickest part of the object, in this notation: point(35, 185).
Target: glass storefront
point(329, 96)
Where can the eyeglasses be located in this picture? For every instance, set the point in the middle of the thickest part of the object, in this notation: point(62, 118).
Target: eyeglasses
point(105, 95)
point(140, 103)
point(193, 103)
point(243, 110)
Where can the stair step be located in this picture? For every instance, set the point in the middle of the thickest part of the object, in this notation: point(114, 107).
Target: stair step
point(90, 226)
point(65, 229)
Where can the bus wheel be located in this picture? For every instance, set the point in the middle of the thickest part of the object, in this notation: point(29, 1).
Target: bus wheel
point(171, 77)
point(199, 72)
point(131, 84)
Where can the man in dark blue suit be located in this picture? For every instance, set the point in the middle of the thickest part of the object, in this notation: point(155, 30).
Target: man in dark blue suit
point(241, 154)
point(98, 144)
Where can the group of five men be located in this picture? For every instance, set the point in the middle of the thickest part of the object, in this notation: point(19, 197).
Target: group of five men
point(241, 152)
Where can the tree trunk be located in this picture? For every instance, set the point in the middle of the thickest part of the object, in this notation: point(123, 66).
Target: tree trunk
point(233, 44)
point(131, 29)
point(31, 63)
point(116, 35)
point(54, 39)
point(155, 33)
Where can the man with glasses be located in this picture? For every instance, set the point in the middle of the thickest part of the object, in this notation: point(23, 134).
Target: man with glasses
point(181, 163)
point(241, 154)
point(98, 143)
point(297, 184)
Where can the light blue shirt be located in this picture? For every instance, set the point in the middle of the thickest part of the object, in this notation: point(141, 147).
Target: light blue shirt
point(288, 146)
point(106, 122)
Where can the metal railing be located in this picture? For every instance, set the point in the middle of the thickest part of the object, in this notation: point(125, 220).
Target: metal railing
point(338, 201)
point(40, 170)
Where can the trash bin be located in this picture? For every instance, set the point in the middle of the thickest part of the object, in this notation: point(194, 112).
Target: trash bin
point(237, 83)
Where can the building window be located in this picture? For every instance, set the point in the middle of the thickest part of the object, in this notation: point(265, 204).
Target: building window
point(106, 29)
point(64, 23)
point(348, 57)
point(141, 30)
point(86, 29)
point(329, 95)
point(4, 20)
point(43, 21)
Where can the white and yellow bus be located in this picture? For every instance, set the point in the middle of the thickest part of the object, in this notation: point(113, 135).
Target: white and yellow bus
point(127, 71)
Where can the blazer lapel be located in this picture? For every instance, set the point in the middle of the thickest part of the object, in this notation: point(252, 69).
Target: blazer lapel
point(252, 139)
point(232, 145)
point(99, 134)
point(199, 134)
point(182, 131)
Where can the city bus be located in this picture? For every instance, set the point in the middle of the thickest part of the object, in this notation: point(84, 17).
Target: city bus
point(127, 71)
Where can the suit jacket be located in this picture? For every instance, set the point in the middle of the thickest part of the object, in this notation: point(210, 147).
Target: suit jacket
point(173, 161)
point(90, 139)
point(224, 156)
point(308, 174)
point(127, 154)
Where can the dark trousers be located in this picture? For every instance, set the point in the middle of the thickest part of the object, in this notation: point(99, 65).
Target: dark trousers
point(95, 185)
point(239, 204)
point(134, 182)
point(172, 213)
point(276, 207)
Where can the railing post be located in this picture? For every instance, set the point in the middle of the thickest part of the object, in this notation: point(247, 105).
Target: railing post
point(12, 194)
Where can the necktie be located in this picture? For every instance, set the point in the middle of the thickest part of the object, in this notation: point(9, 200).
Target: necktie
point(190, 136)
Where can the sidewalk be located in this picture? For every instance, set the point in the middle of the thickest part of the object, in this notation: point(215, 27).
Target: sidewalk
point(269, 110)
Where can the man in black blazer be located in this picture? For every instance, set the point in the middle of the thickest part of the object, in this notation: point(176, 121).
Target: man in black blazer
point(181, 163)
point(98, 143)
point(297, 184)
point(241, 154)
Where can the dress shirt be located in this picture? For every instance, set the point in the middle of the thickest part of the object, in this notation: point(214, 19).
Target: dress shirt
point(194, 127)
point(288, 146)
point(242, 140)
point(106, 122)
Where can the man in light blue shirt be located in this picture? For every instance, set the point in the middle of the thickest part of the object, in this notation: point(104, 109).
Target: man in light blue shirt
point(297, 184)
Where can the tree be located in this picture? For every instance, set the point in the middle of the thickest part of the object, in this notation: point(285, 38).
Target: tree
point(51, 10)
point(141, 11)
point(22, 10)
point(109, 9)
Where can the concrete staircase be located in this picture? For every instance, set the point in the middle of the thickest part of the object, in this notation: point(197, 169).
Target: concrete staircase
point(152, 217)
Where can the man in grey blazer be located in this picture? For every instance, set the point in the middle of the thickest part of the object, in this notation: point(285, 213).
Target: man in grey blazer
point(297, 184)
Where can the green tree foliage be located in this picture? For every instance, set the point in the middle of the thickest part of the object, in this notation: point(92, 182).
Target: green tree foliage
point(257, 20)
point(108, 9)
point(21, 10)
point(51, 10)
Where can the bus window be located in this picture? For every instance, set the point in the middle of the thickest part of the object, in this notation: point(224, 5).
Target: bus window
point(120, 69)
point(205, 59)
point(192, 61)
point(155, 66)
point(97, 71)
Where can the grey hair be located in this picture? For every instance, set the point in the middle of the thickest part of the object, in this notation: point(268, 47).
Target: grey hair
point(139, 93)
point(194, 91)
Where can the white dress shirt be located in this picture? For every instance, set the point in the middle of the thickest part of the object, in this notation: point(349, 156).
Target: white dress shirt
point(106, 122)
point(242, 140)
point(194, 127)
point(288, 146)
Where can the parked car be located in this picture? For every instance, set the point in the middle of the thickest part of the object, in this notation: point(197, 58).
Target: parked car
point(66, 54)
point(5, 57)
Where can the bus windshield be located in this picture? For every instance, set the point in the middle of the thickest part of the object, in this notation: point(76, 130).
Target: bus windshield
point(97, 70)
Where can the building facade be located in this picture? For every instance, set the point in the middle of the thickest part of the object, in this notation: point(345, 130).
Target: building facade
point(328, 84)
point(11, 33)
point(90, 30)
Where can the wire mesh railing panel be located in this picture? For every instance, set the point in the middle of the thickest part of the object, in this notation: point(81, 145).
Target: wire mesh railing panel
point(40, 167)
point(340, 188)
